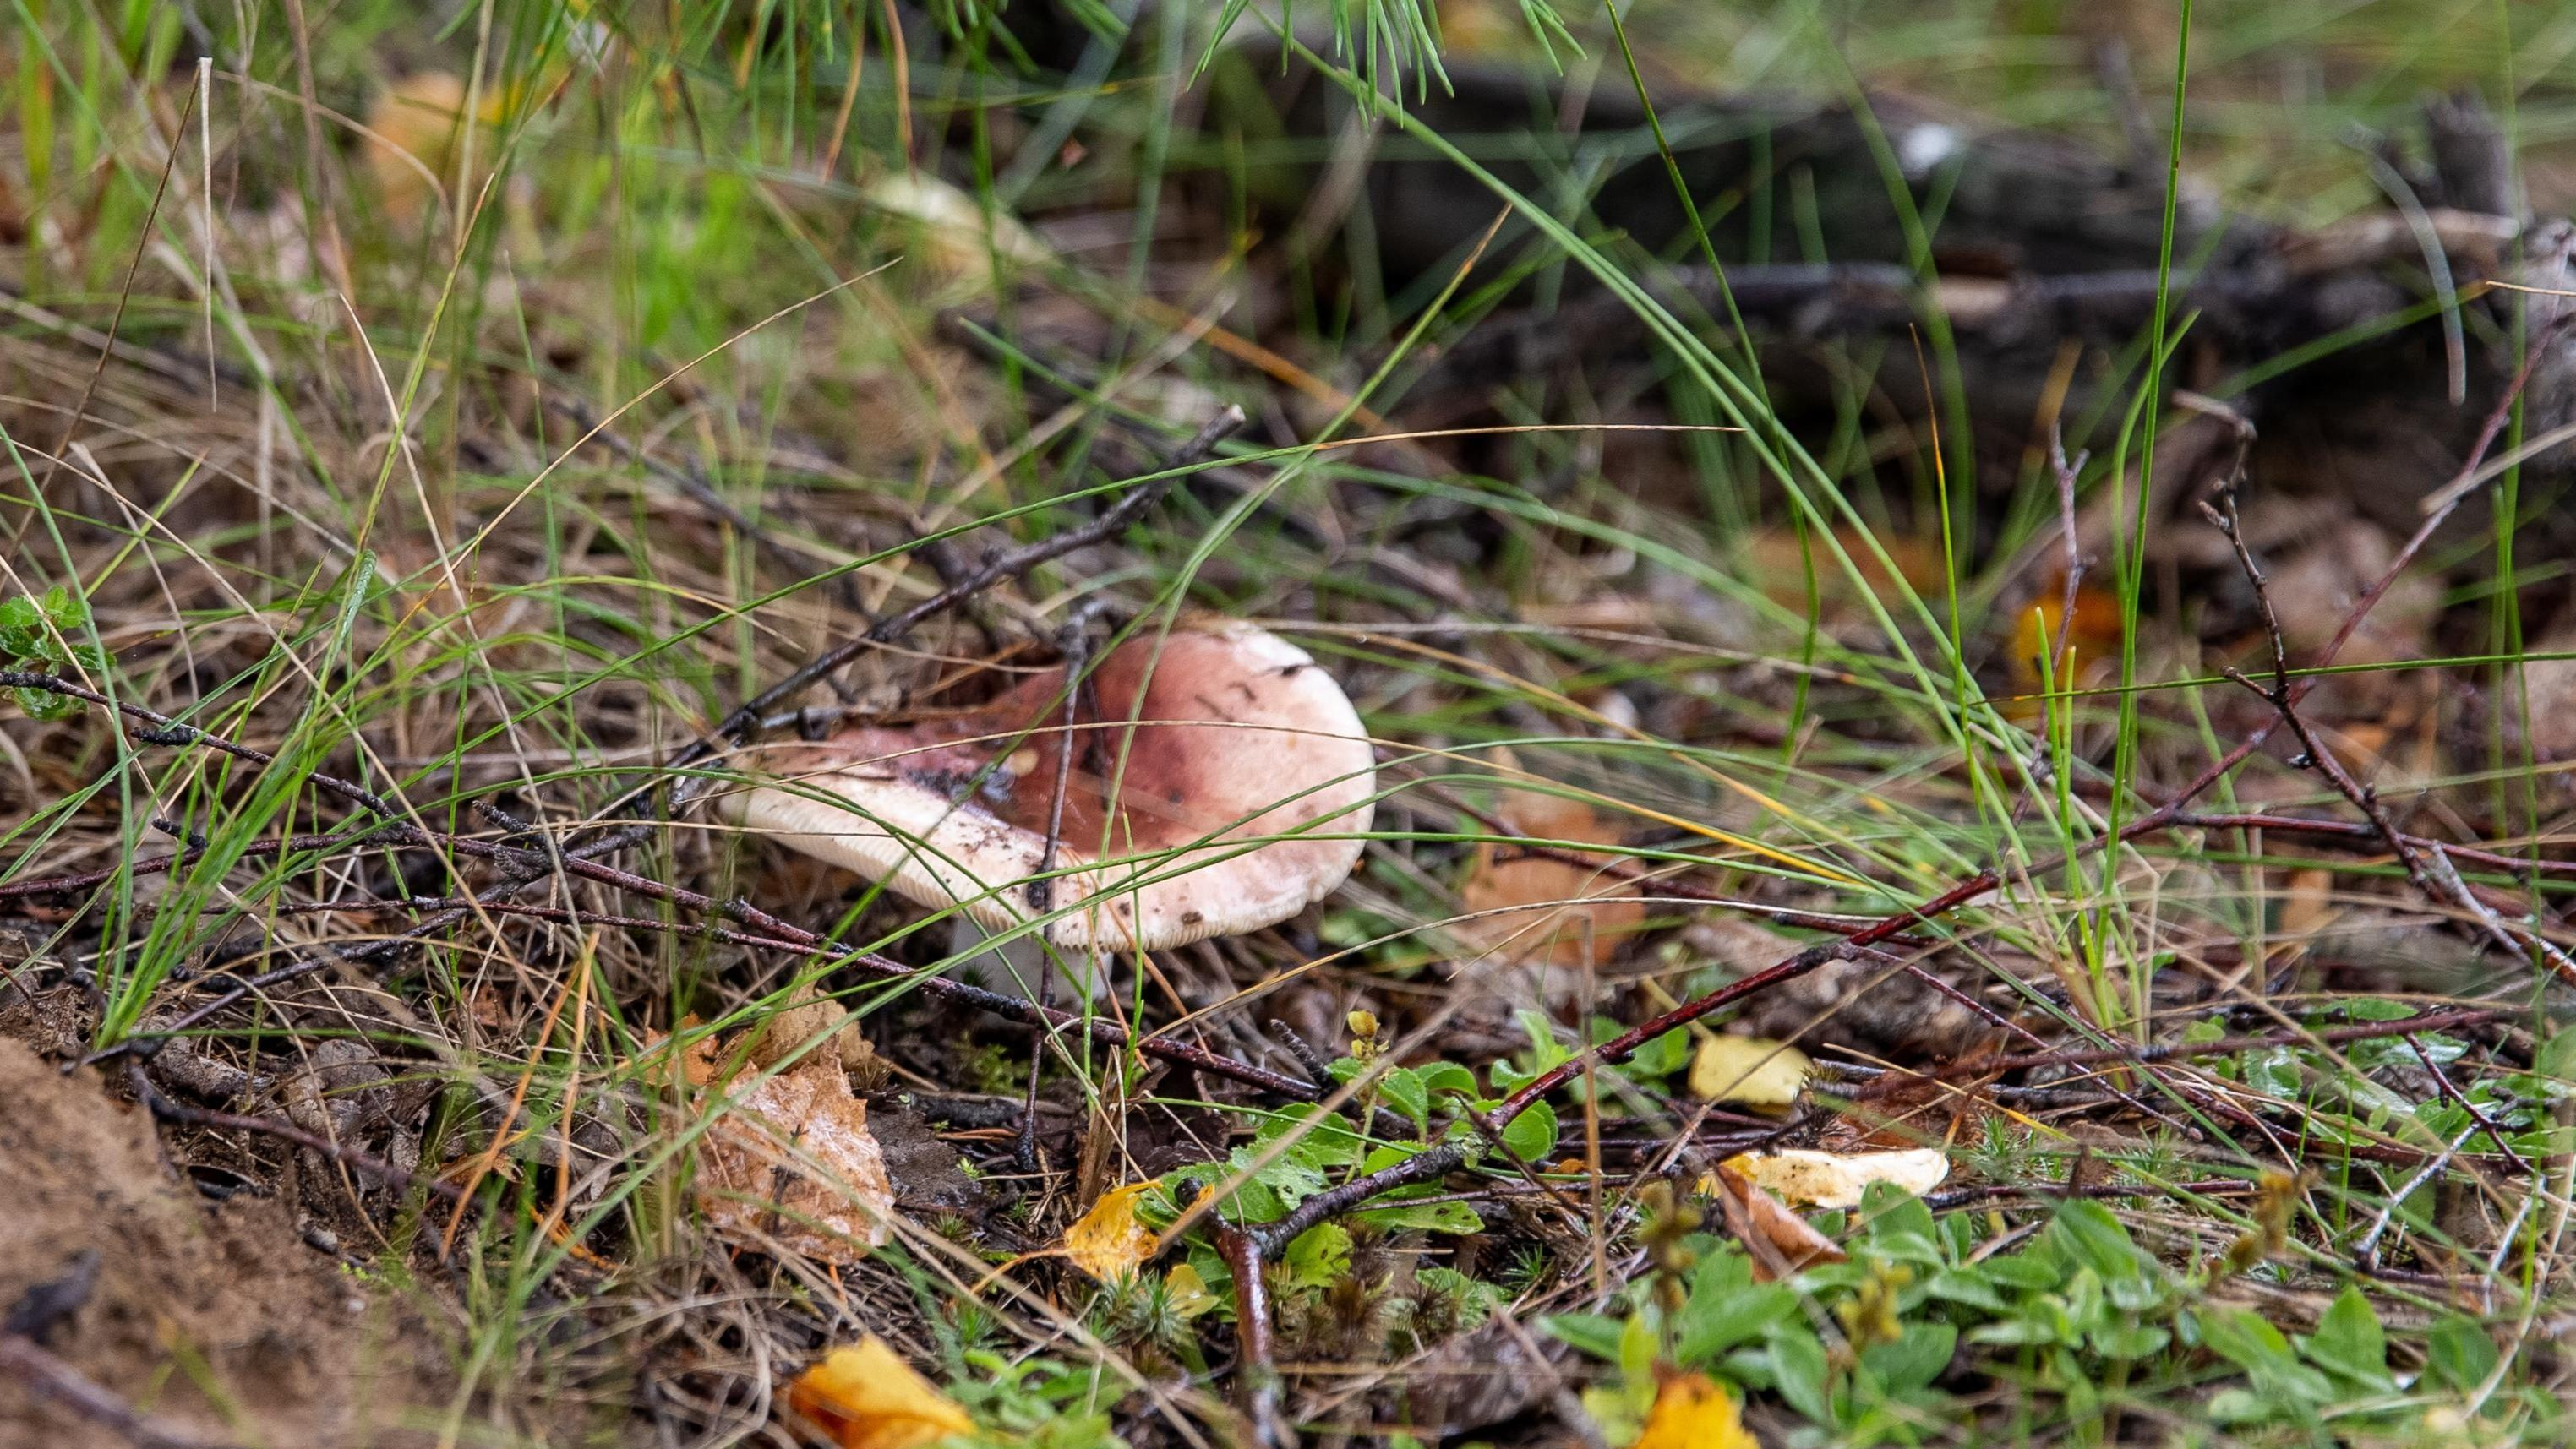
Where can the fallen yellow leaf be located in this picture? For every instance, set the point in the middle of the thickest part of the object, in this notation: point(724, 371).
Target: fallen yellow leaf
point(866, 1397)
point(1110, 1241)
point(1693, 1411)
point(791, 1164)
point(1755, 1071)
point(1801, 1176)
point(1187, 1291)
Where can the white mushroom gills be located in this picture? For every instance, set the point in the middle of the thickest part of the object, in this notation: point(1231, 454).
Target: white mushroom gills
point(1220, 782)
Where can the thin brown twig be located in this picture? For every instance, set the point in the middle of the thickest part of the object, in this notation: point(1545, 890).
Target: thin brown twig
point(155, 865)
point(2450, 1019)
point(2348, 829)
point(1450, 1156)
point(364, 1163)
point(2430, 871)
point(1008, 564)
point(527, 865)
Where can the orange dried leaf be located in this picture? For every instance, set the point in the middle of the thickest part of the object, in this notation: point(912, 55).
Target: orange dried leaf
point(1694, 1411)
point(1110, 1241)
point(866, 1397)
point(1776, 559)
point(1549, 910)
point(2094, 635)
point(791, 1164)
point(1780, 1241)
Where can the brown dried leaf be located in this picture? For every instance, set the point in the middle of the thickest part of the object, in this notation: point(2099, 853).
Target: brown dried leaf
point(788, 1031)
point(1780, 1241)
point(791, 1163)
point(1549, 910)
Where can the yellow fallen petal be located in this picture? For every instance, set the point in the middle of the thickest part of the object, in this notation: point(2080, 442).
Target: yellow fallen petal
point(1749, 1069)
point(1693, 1411)
point(867, 1397)
point(1110, 1241)
point(1187, 1291)
point(1807, 1178)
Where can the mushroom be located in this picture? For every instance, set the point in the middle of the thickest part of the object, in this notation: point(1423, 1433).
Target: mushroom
point(1232, 801)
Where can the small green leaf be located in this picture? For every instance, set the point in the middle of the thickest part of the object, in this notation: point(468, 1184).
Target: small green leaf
point(66, 611)
point(1446, 1077)
point(1662, 1056)
point(2024, 1270)
point(2350, 1345)
point(1532, 1135)
point(2238, 1406)
point(2085, 1234)
point(1718, 1318)
point(1637, 1350)
point(2129, 1340)
point(1404, 1091)
point(2459, 1352)
point(1801, 1372)
point(1895, 1218)
point(2031, 1327)
point(1910, 1364)
point(1588, 1333)
point(2248, 1341)
point(1427, 1217)
point(1968, 1286)
point(1318, 1257)
point(45, 704)
point(22, 628)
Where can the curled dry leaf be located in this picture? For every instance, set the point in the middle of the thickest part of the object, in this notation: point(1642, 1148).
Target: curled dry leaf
point(1752, 1070)
point(1694, 1411)
point(1780, 1241)
point(1110, 1241)
point(963, 235)
point(790, 1161)
point(1549, 910)
point(1837, 1179)
point(866, 1397)
point(787, 1032)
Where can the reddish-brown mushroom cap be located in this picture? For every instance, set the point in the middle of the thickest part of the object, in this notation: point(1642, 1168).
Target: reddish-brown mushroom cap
point(1232, 802)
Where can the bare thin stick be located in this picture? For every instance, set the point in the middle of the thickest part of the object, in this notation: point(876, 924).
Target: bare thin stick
point(1009, 564)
